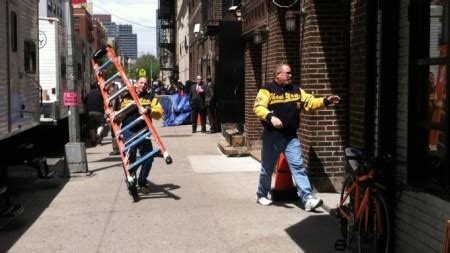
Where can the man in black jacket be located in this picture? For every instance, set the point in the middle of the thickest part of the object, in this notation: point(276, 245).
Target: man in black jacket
point(277, 106)
point(210, 102)
point(93, 102)
point(197, 102)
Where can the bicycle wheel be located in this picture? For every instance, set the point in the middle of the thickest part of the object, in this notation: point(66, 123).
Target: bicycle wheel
point(346, 226)
point(375, 235)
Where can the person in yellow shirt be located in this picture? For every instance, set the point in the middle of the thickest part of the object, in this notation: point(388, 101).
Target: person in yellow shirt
point(278, 106)
point(151, 106)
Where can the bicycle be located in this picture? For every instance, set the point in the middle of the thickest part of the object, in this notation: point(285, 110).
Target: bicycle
point(363, 207)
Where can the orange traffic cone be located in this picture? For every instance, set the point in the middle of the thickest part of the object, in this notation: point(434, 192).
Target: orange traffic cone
point(283, 188)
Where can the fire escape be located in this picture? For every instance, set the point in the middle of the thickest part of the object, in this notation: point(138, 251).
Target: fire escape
point(166, 42)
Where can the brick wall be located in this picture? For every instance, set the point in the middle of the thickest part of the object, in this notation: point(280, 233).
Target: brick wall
point(253, 61)
point(280, 46)
point(324, 71)
point(420, 222)
point(323, 63)
point(358, 37)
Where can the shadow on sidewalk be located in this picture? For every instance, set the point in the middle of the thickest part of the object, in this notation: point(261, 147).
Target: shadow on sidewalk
point(106, 167)
point(35, 194)
point(316, 233)
point(161, 191)
point(175, 135)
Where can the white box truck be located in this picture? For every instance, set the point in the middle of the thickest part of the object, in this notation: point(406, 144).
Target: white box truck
point(52, 70)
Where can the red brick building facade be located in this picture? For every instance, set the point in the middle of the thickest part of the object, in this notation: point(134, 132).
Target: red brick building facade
point(377, 56)
point(318, 55)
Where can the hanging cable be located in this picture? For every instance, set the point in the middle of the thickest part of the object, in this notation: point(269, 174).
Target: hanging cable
point(284, 6)
point(134, 23)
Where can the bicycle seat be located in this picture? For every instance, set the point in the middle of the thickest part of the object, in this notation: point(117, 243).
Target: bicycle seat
point(353, 156)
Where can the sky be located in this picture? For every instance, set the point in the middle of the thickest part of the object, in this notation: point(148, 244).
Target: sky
point(138, 11)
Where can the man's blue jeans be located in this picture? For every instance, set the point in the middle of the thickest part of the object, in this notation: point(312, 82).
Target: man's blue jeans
point(144, 147)
point(273, 144)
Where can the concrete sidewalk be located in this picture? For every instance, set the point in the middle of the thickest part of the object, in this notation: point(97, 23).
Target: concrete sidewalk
point(203, 202)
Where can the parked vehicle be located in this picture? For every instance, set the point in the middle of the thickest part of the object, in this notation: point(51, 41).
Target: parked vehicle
point(19, 89)
point(19, 76)
point(52, 69)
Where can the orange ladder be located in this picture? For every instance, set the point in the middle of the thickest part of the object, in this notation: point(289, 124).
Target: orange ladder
point(106, 74)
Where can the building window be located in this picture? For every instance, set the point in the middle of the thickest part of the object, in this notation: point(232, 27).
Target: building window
point(29, 56)
point(428, 154)
point(13, 31)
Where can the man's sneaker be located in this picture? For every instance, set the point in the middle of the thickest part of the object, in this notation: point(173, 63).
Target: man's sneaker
point(114, 152)
point(312, 203)
point(263, 201)
point(144, 189)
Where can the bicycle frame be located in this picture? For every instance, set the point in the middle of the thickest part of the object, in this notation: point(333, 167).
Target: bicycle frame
point(361, 201)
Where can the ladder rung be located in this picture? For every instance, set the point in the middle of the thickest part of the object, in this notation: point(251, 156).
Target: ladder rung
point(104, 65)
point(136, 142)
point(142, 159)
point(111, 79)
point(100, 53)
point(135, 136)
point(125, 110)
point(132, 124)
point(124, 88)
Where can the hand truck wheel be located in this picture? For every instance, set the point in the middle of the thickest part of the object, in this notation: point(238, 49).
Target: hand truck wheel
point(132, 189)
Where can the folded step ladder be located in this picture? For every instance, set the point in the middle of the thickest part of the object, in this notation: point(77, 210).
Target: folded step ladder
point(107, 70)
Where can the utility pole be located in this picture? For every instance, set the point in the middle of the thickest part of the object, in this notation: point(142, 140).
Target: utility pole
point(151, 72)
point(75, 151)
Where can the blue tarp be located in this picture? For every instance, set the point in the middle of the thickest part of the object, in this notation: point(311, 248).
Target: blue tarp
point(176, 109)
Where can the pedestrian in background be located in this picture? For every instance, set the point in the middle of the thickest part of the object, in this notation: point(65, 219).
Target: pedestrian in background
point(115, 105)
point(210, 103)
point(197, 102)
point(94, 107)
point(180, 87)
point(278, 106)
point(172, 89)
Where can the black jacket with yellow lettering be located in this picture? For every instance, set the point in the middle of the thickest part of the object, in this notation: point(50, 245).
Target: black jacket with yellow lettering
point(148, 101)
point(285, 103)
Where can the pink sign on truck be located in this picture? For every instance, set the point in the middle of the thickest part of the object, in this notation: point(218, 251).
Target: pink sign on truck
point(71, 99)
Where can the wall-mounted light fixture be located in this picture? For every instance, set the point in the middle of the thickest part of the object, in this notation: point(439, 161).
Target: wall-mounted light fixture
point(259, 35)
point(291, 18)
point(257, 38)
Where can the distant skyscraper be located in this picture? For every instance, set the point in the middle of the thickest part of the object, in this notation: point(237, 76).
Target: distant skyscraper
point(127, 41)
point(123, 36)
point(111, 28)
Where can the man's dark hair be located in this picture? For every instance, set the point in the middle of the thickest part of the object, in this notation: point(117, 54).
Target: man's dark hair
point(208, 79)
point(94, 86)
